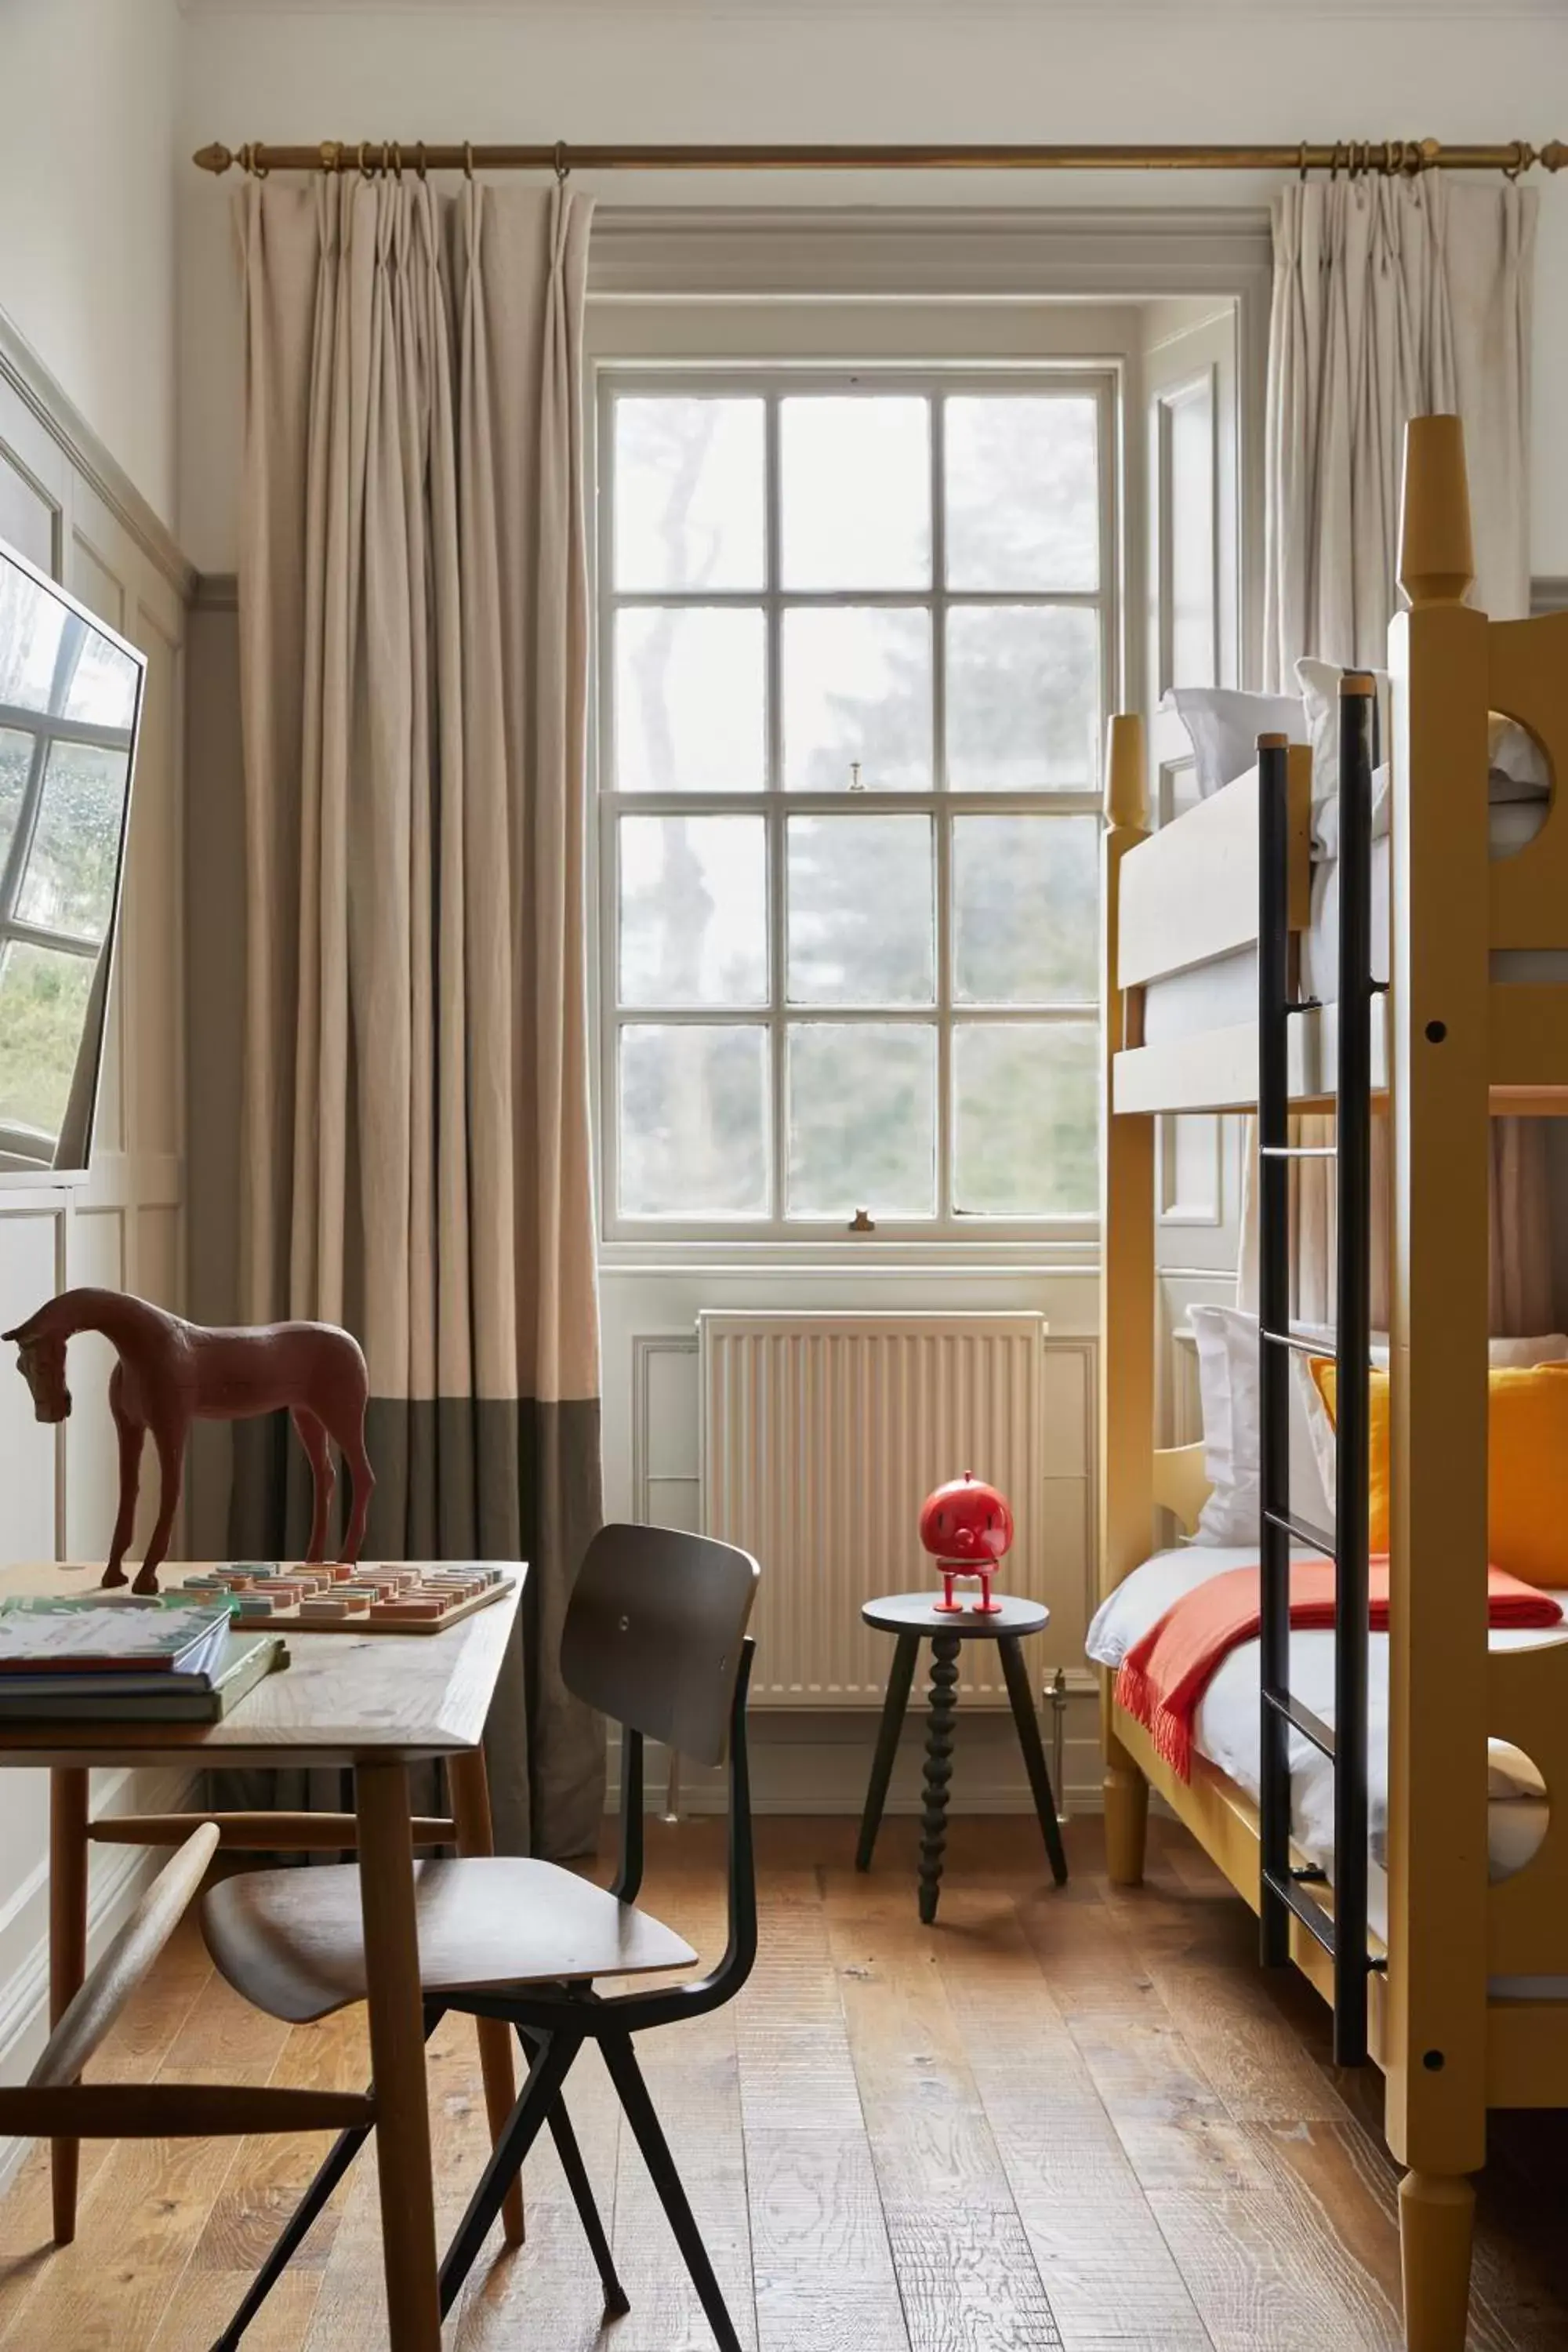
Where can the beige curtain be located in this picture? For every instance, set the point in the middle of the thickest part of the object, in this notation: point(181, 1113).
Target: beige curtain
point(1393, 299)
point(414, 648)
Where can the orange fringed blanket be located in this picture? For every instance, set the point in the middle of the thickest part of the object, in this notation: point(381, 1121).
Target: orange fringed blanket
point(1163, 1677)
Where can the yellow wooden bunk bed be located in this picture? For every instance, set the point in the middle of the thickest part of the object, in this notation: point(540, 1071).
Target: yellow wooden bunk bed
point(1457, 1037)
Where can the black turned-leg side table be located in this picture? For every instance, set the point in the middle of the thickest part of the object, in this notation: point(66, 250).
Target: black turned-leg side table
point(911, 1619)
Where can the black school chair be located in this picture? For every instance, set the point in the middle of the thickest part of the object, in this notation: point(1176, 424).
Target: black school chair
point(656, 1639)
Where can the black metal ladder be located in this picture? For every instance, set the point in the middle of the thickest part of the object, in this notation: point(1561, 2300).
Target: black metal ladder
point(1283, 1891)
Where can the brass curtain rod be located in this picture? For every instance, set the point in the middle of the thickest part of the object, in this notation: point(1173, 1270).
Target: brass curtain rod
point(1383, 157)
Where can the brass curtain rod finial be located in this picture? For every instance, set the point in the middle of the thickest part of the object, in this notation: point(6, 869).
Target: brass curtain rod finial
point(217, 158)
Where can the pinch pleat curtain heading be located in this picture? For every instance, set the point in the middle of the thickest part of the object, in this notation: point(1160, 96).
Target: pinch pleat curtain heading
point(414, 636)
point(1395, 299)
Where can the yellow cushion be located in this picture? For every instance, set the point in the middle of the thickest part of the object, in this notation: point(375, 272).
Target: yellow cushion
point(1527, 1467)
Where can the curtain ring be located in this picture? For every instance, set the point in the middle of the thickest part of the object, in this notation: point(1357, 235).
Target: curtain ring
point(397, 161)
point(1523, 157)
point(561, 166)
point(367, 171)
point(468, 159)
point(1301, 162)
point(419, 158)
point(249, 156)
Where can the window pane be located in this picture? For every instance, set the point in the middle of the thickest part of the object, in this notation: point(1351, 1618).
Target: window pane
point(43, 1015)
point(860, 911)
point(690, 701)
point(32, 625)
point(857, 690)
point(1190, 583)
point(1025, 909)
point(694, 1122)
point(1027, 1118)
point(16, 759)
point(694, 910)
point(862, 1119)
point(688, 493)
point(855, 477)
point(101, 691)
point(68, 885)
point(1023, 493)
point(1023, 698)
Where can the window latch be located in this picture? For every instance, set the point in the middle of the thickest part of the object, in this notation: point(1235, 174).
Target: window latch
point(861, 1224)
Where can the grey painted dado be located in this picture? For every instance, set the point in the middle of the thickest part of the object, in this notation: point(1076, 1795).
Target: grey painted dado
point(68, 506)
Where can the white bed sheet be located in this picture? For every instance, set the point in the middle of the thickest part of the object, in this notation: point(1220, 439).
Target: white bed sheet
point(1223, 993)
point(1227, 1730)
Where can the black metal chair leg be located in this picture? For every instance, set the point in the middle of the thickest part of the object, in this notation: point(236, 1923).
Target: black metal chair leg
point(1028, 1723)
point(617, 2303)
point(302, 2220)
point(538, 2096)
point(297, 2229)
point(626, 2076)
point(905, 1654)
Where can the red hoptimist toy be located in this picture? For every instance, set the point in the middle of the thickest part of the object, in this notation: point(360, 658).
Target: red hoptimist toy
point(967, 1527)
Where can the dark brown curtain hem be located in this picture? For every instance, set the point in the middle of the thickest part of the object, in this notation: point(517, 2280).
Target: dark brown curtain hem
point(462, 1478)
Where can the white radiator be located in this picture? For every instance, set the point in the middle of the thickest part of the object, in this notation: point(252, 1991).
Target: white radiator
point(822, 1436)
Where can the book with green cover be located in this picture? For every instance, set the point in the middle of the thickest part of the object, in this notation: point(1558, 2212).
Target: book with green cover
point(95, 1635)
point(133, 1697)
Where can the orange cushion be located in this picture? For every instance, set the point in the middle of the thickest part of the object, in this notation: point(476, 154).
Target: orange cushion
point(1527, 1467)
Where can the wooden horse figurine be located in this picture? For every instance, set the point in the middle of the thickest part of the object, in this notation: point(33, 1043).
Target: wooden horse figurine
point(171, 1373)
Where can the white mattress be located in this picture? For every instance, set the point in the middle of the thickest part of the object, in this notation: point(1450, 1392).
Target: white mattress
point(1227, 1729)
point(1223, 994)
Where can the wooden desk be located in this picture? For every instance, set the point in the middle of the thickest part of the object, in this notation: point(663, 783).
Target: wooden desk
point(376, 1704)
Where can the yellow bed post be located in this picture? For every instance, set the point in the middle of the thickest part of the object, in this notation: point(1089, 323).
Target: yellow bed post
point(1127, 1302)
point(1436, 2048)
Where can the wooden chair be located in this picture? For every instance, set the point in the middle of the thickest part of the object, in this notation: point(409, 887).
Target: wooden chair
point(655, 1637)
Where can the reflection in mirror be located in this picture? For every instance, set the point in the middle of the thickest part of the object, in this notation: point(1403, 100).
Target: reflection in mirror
point(71, 694)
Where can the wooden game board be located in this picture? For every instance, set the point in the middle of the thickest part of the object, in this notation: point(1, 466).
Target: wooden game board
point(427, 1596)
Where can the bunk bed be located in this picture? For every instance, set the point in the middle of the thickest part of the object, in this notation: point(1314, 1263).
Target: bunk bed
point(1451, 1976)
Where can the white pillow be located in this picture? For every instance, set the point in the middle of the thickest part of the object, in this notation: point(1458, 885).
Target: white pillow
point(1320, 685)
point(1518, 769)
point(1224, 726)
point(1502, 1355)
point(1228, 1388)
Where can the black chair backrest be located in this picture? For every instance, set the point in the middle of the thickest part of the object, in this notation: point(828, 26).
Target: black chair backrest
point(653, 1634)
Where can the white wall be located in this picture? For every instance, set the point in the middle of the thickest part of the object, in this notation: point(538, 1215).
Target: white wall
point(87, 97)
point(87, 275)
point(856, 70)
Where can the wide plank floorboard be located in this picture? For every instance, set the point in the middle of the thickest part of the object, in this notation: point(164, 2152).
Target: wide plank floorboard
point(1082, 2119)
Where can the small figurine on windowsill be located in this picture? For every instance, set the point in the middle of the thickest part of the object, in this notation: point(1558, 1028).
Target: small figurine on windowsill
point(967, 1527)
point(172, 1372)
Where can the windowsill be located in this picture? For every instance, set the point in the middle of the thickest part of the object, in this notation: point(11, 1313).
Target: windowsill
point(853, 1260)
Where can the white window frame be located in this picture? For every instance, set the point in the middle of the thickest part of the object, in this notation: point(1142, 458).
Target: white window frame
point(948, 1231)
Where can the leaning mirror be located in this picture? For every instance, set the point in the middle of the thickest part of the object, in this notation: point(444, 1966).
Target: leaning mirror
point(71, 699)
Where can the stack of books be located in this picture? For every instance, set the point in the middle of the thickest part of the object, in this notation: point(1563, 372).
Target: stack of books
point(126, 1661)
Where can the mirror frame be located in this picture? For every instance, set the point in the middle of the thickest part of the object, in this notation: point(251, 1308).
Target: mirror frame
point(77, 1173)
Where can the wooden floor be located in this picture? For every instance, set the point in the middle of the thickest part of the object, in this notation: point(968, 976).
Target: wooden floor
point(1082, 2118)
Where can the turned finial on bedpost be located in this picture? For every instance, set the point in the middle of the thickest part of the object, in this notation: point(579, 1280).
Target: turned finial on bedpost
point(1126, 786)
point(1435, 561)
